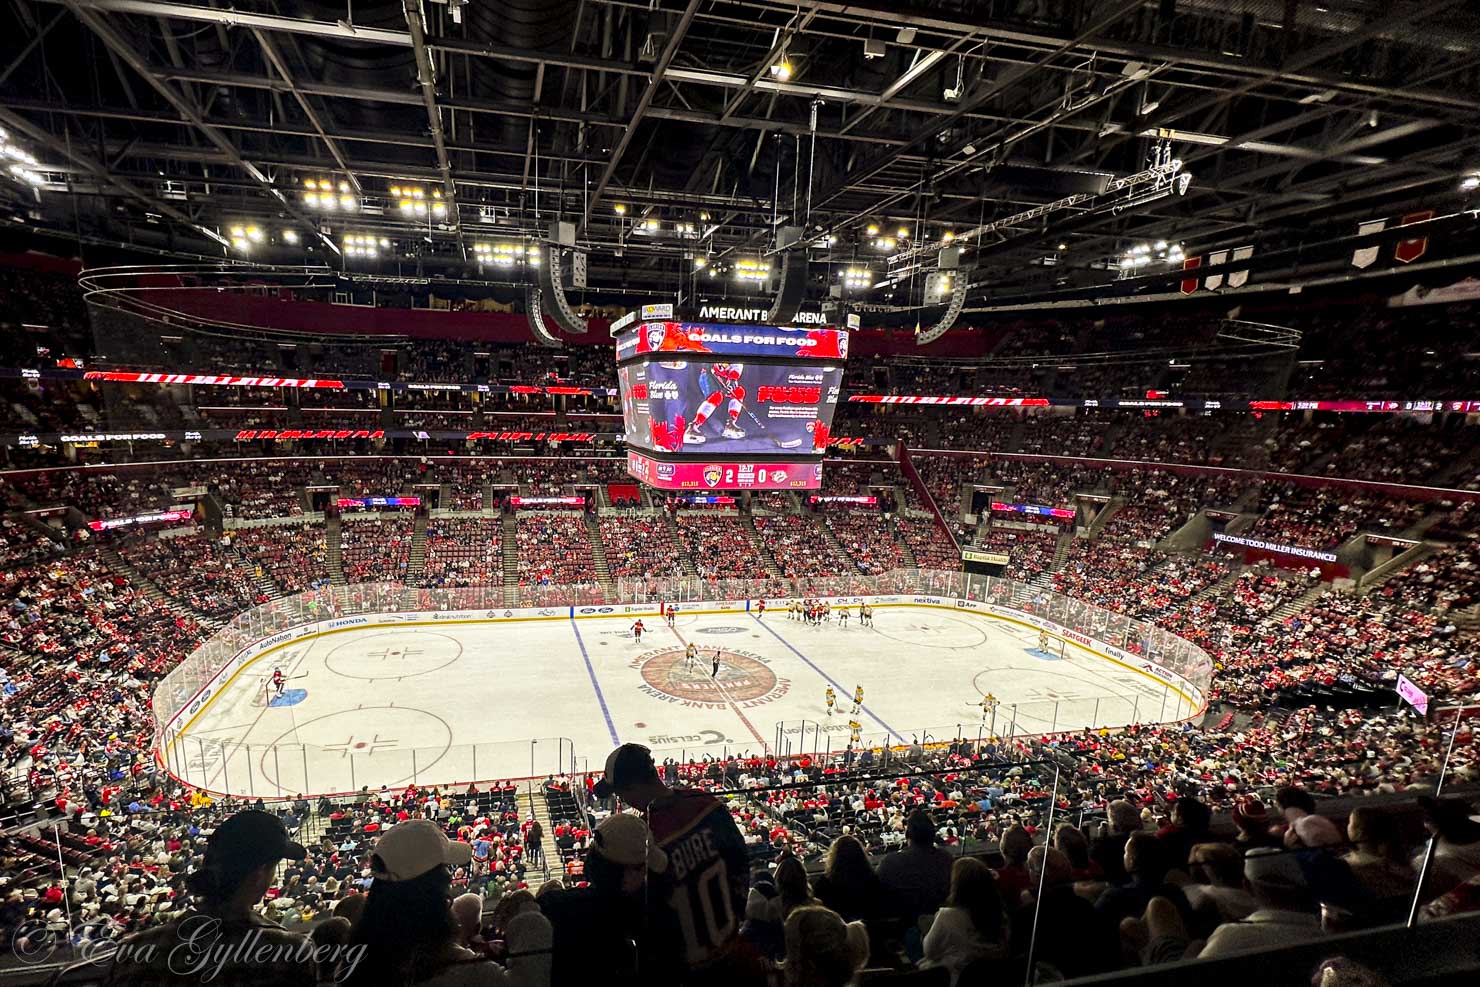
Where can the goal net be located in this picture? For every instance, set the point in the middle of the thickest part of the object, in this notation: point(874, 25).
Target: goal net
point(262, 692)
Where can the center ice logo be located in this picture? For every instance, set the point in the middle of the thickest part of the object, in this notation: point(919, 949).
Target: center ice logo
point(743, 679)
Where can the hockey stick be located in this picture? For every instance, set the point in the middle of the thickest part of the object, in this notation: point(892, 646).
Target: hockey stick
point(779, 443)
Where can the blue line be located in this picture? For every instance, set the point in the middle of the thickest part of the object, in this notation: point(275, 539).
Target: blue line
point(611, 727)
point(834, 682)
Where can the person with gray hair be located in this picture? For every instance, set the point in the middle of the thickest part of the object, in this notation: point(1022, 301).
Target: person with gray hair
point(1108, 848)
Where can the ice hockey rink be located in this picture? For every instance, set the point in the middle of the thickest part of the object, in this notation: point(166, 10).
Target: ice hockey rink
point(456, 702)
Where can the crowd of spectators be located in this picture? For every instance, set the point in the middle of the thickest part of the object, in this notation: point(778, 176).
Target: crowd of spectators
point(375, 549)
point(554, 549)
point(800, 546)
point(722, 548)
point(294, 556)
point(195, 570)
point(866, 537)
point(463, 551)
point(639, 544)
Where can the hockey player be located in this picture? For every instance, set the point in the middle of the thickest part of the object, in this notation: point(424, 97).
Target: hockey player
point(857, 698)
point(842, 616)
point(1043, 641)
point(866, 615)
point(832, 700)
point(855, 732)
point(826, 612)
point(279, 682)
point(720, 379)
point(672, 613)
point(637, 631)
point(690, 655)
point(988, 703)
point(760, 608)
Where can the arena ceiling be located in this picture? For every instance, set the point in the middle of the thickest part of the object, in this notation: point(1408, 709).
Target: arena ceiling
point(674, 130)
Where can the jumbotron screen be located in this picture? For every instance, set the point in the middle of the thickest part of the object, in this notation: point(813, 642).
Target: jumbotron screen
point(728, 407)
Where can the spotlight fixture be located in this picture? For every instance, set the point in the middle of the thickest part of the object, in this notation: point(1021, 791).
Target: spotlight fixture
point(781, 68)
point(414, 200)
point(245, 236)
point(700, 263)
point(364, 245)
point(1470, 182)
point(872, 229)
point(857, 278)
point(619, 209)
point(1144, 254)
point(904, 232)
point(947, 236)
point(290, 236)
point(752, 270)
point(505, 254)
point(324, 193)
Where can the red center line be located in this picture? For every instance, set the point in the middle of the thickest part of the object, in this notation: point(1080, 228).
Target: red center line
point(722, 691)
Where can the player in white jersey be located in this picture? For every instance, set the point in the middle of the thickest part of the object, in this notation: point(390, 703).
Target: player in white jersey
point(690, 655)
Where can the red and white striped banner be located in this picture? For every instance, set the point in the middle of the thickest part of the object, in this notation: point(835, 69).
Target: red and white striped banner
point(133, 377)
point(974, 402)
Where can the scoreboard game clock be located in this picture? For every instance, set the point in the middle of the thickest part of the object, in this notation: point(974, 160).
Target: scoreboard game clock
point(728, 407)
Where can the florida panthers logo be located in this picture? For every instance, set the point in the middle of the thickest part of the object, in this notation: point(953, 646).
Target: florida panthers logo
point(711, 476)
point(655, 336)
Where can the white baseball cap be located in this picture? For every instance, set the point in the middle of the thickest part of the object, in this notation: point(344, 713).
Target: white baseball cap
point(625, 839)
point(409, 849)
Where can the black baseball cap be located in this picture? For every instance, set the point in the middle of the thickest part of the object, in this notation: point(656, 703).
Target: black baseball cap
point(626, 766)
point(252, 838)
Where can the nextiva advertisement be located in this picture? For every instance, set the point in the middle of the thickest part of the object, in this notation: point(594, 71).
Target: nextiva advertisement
point(729, 409)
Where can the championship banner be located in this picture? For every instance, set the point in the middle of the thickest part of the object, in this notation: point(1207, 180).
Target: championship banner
point(1215, 259)
point(1367, 256)
point(1189, 285)
point(1237, 279)
point(1408, 251)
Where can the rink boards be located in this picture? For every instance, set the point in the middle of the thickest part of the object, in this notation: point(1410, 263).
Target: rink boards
point(223, 680)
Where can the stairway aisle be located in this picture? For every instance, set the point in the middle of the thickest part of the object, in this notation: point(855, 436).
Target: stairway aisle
point(333, 559)
point(416, 565)
point(598, 556)
point(510, 555)
point(678, 543)
point(532, 805)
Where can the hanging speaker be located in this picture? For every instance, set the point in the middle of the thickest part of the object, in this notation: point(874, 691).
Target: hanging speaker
point(793, 285)
point(534, 310)
point(553, 287)
point(952, 312)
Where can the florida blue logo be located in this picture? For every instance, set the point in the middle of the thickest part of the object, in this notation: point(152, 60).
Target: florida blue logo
point(711, 476)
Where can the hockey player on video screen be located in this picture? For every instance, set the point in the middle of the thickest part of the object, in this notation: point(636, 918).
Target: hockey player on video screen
point(720, 379)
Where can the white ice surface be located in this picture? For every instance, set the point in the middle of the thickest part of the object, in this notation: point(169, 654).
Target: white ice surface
point(451, 703)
